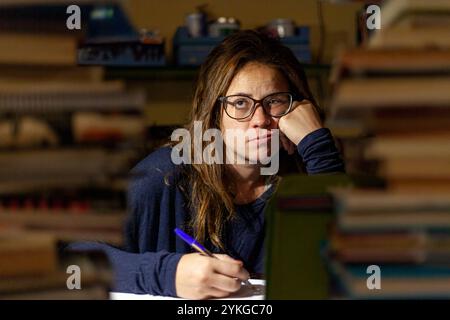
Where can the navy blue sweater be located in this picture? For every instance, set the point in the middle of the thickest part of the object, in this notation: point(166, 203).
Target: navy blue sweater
point(148, 261)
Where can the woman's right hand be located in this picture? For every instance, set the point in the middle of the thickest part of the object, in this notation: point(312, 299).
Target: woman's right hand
point(202, 277)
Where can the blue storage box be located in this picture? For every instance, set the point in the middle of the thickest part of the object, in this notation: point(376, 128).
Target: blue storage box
point(193, 51)
point(190, 51)
point(126, 53)
point(113, 41)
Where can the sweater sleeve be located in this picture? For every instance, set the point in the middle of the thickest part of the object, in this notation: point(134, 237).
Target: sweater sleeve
point(319, 153)
point(143, 265)
point(140, 273)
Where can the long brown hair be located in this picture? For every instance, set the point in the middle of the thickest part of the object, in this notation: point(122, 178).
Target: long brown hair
point(210, 200)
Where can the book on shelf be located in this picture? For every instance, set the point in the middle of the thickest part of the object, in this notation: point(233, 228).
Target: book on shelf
point(404, 120)
point(60, 87)
point(66, 74)
point(360, 94)
point(66, 96)
point(63, 162)
point(414, 168)
point(29, 102)
point(70, 225)
point(398, 281)
point(412, 247)
point(35, 267)
point(413, 23)
point(370, 200)
point(432, 146)
point(394, 221)
point(410, 14)
point(423, 185)
point(420, 39)
point(26, 253)
point(91, 127)
point(377, 210)
point(27, 132)
point(363, 61)
point(36, 49)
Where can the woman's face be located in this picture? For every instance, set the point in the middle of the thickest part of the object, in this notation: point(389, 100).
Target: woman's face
point(257, 81)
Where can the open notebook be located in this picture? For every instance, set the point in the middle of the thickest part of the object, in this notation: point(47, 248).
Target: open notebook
point(255, 292)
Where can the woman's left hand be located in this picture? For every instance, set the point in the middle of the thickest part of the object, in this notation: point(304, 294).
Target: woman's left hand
point(298, 123)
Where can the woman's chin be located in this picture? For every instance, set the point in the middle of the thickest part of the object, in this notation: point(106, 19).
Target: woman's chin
point(258, 154)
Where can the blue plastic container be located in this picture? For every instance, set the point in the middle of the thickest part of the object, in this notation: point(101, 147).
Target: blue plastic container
point(193, 51)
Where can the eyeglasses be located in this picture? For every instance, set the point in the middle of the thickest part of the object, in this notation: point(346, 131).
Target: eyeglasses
point(240, 107)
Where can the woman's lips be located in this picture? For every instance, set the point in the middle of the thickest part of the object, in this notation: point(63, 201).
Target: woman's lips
point(261, 139)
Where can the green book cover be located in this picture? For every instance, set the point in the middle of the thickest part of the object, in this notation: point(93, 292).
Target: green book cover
point(298, 216)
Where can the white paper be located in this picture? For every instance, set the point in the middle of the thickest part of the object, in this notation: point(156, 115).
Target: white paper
point(256, 292)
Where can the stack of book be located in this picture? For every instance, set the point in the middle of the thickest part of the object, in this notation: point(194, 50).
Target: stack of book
point(391, 110)
point(68, 139)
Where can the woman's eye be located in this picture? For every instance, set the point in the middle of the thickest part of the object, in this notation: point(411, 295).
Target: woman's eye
point(274, 101)
point(240, 103)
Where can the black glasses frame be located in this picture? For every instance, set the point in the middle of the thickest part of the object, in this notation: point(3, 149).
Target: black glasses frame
point(253, 108)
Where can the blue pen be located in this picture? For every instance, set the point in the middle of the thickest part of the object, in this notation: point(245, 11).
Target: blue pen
point(194, 244)
point(197, 246)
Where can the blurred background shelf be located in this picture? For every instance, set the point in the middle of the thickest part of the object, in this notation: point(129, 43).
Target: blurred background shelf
point(185, 73)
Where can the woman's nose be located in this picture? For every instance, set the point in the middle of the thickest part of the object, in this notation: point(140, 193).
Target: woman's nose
point(260, 118)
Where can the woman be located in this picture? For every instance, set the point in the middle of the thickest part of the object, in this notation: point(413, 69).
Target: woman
point(248, 82)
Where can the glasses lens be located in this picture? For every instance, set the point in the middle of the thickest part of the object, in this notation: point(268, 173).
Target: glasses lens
point(238, 106)
point(277, 104)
